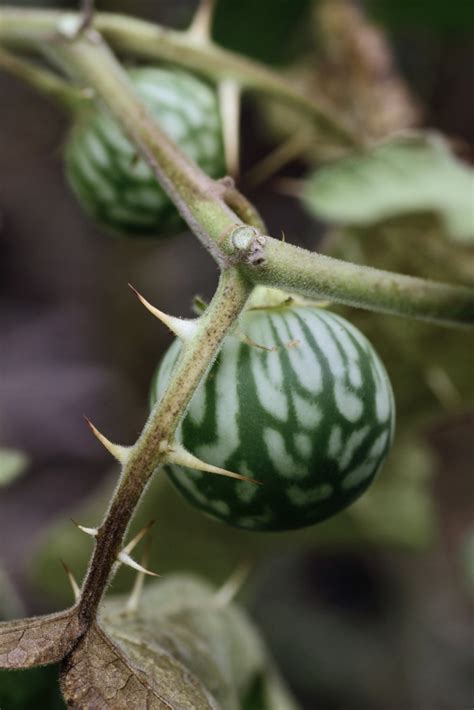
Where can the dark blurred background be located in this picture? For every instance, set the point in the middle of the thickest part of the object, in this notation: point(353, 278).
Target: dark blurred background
point(370, 611)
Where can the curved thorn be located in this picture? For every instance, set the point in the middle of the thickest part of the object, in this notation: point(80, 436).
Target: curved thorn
point(178, 456)
point(118, 452)
point(201, 26)
point(125, 559)
point(72, 581)
point(139, 536)
point(183, 328)
point(133, 600)
point(93, 532)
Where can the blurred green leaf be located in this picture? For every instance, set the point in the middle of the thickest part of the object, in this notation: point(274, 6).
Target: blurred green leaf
point(12, 464)
point(34, 688)
point(244, 27)
point(410, 175)
point(435, 15)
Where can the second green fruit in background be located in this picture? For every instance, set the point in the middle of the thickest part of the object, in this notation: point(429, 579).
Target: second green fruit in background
point(113, 184)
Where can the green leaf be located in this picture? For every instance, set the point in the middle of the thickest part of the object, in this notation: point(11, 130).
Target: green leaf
point(414, 174)
point(12, 464)
point(33, 688)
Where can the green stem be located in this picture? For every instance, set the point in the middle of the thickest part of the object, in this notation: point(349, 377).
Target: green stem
point(45, 82)
point(152, 445)
point(25, 28)
point(321, 277)
point(206, 206)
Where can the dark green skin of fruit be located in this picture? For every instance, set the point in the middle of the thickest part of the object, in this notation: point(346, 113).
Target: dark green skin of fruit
point(113, 184)
point(312, 419)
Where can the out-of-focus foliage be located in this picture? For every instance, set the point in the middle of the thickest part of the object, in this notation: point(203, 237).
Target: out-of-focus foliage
point(245, 28)
point(179, 644)
point(409, 175)
point(34, 688)
point(431, 15)
point(467, 561)
point(12, 464)
point(11, 606)
point(349, 69)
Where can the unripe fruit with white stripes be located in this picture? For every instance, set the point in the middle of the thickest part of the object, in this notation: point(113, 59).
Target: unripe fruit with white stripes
point(302, 404)
point(115, 186)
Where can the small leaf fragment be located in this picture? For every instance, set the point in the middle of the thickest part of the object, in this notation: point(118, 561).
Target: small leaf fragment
point(38, 640)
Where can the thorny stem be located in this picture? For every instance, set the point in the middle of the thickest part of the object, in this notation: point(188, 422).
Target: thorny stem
point(25, 28)
point(213, 209)
point(204, 204)
point(316, 276)
point(151, 447)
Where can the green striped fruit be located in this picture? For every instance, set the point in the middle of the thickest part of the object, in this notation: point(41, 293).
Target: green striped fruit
point(116, 187)
point(307, 410)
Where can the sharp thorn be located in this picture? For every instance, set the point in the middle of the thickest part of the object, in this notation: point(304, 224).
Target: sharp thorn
point(178, 456)
point(72, 581)
point(125, 559)
point(183, 328)
point(232, 585)
point(229, 103)
point(118, 452)
point(133, 600)
point(201, 26)
point(93, 532)
point(139, 536)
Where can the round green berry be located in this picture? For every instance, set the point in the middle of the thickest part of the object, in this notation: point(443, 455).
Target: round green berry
point(112, 183)
point(302, 404)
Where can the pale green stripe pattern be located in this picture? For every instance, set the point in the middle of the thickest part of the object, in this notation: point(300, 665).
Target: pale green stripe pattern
point(310, 414)
point(116, 187)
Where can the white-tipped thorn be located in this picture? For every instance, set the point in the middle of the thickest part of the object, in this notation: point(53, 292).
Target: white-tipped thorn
point(133, 600)
point(229, 104)
point(118, 452)
point(201, 25)
point(93, 532)
point(178, 456)
point(72, 581)
point(125, 559)
point(232, 585)
point(139, 536)
point(183, 328)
